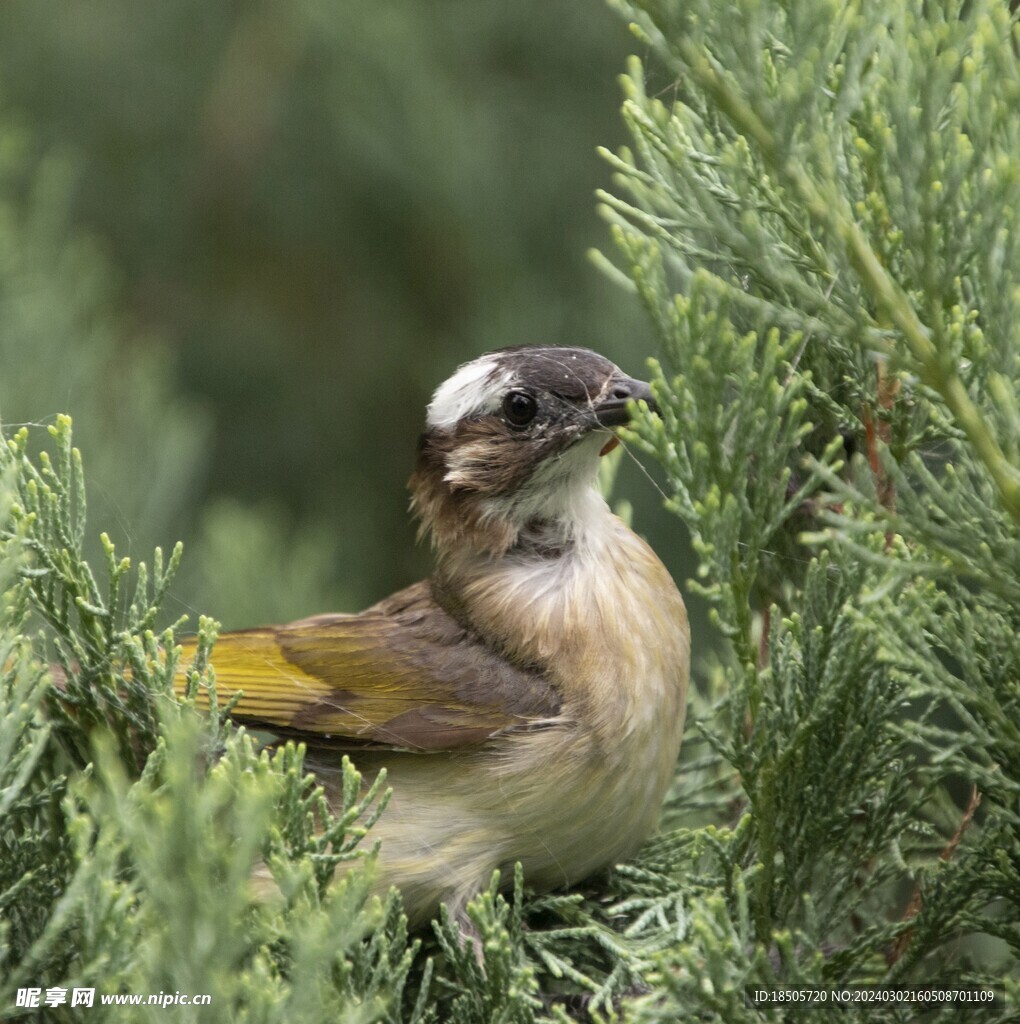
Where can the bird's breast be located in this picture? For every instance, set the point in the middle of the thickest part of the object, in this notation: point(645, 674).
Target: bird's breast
point(606, 622)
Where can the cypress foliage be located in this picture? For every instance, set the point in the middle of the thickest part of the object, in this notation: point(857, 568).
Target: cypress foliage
point(821, 225)
point(818, 213)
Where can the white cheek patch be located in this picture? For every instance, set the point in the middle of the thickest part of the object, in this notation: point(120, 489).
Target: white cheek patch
point(464, 461)
point(477, 388)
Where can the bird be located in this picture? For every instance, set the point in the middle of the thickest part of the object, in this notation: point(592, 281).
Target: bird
point(527, 700)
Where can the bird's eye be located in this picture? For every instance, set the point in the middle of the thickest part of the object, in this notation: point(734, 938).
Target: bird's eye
point(519, 408)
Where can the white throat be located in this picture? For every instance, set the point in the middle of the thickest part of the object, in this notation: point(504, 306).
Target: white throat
point(561, 496)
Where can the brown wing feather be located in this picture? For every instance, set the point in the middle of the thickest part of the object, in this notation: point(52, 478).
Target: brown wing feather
point(401, 674)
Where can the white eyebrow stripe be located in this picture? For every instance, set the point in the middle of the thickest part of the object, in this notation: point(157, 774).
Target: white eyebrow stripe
point(476, 388)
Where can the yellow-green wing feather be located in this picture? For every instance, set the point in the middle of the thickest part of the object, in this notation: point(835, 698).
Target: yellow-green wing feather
point(402, 674)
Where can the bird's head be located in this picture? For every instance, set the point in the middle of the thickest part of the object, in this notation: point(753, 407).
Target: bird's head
point(511, 447)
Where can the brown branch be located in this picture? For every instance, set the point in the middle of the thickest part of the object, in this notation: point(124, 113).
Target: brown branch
point(916, 903)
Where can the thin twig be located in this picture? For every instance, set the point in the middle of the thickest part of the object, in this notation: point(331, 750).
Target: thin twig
point(916, 903)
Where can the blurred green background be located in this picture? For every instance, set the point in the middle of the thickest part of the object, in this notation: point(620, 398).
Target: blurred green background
point(242, 242)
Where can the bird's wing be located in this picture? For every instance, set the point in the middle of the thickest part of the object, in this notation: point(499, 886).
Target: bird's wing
point(402, 674)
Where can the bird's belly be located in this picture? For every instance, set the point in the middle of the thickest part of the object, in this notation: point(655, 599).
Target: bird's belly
point(454, 819)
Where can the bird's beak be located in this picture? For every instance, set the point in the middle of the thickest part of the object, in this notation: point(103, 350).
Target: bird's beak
point(612, 410)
